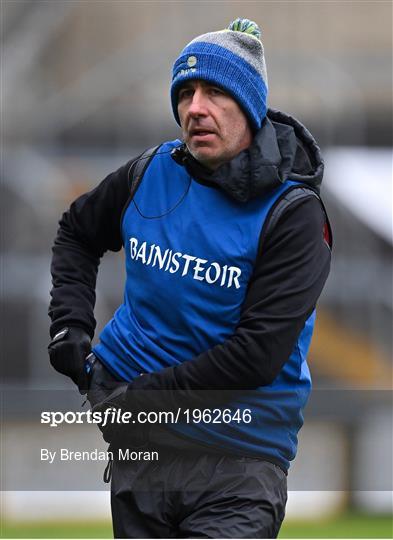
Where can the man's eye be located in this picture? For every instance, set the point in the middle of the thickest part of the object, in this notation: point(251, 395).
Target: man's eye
point(216, 91)
point(185, 93)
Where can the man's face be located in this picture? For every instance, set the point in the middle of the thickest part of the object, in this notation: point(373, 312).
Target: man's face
point(214, 127)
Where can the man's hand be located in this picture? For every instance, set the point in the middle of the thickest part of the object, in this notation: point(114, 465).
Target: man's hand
point(115, 400)
point(67, 352)
point(121, 435)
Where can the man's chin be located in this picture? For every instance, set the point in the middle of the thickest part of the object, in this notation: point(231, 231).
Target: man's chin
point(206, 158)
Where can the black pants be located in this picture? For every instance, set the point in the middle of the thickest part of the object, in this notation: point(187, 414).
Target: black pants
point(192, 494)
point(197, 496)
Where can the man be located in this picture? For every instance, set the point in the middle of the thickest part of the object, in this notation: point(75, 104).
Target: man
point(227, 251)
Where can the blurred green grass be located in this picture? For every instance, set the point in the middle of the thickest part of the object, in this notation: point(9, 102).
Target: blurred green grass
point(57, 529)
point(349, 525)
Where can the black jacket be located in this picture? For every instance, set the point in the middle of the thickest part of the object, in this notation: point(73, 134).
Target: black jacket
point(289, 274)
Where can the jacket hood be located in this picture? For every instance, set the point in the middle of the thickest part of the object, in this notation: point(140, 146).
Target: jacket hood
point(283, 149)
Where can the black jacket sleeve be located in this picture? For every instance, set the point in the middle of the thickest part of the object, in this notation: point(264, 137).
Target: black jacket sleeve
point(86, 231)
point(289, 275)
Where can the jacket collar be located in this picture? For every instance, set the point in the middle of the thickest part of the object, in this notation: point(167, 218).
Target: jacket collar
point(283, 149)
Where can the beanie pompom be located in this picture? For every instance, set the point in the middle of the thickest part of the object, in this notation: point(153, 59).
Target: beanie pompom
point(246, 26)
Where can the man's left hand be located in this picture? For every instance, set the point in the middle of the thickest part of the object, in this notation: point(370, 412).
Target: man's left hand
point(121, 434)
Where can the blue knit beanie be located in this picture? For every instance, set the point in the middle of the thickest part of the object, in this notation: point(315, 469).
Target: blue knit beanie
point(233, 59)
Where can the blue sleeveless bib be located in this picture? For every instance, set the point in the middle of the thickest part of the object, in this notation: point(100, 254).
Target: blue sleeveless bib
point(190, 252)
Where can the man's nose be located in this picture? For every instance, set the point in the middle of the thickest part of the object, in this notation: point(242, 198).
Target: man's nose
point(198, 105)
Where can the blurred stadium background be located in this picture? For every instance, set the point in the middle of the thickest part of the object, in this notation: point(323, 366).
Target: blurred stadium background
point(85, 86)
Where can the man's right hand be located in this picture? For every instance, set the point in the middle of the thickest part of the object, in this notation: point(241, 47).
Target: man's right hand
point(67, 352)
